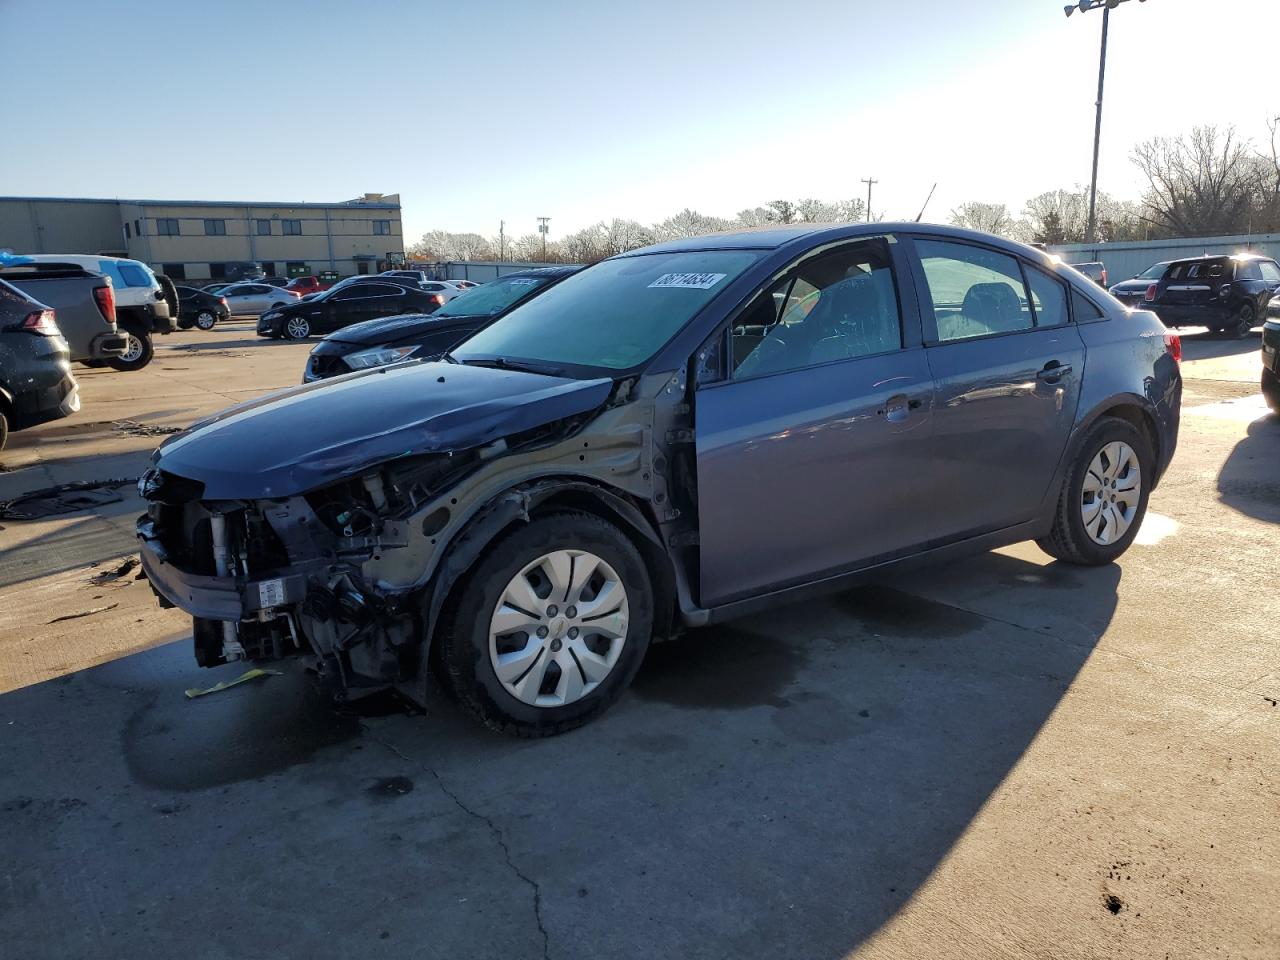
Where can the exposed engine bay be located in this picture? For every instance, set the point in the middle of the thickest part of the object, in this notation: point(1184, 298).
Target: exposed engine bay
point(353, 574)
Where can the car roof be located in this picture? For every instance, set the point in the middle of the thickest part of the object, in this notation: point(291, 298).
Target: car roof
point(1219, 256)
point(774, 237)
point(536, 273)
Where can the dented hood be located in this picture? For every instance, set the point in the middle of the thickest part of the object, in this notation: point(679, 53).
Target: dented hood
point(305, 437)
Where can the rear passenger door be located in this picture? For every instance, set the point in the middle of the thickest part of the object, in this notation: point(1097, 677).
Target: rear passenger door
point(813, 427)
point(1006, 363)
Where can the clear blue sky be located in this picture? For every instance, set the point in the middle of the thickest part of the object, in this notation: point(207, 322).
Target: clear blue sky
point(476, 112)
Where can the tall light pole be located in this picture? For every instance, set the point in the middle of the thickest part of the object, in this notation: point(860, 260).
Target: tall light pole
point(542, 229)
point(1084, 6)
point(868, 181)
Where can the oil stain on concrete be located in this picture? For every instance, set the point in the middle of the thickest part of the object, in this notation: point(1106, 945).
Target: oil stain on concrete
point(719, 668)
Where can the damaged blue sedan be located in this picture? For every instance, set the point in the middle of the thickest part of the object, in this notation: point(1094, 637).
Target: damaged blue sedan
point(672, 437)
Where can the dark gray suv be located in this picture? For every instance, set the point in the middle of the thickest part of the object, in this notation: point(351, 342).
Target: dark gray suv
point(36, 384)
point(669, 438)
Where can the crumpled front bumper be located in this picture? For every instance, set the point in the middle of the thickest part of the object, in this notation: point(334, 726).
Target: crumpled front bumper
point(213, 598)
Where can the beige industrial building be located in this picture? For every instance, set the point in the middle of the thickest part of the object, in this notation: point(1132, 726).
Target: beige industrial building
point(196, 240)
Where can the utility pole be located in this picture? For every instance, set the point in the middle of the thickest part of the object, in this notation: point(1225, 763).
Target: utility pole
point(1084, 6)
point(502, 226)
point(868, 181)
point(542, 229)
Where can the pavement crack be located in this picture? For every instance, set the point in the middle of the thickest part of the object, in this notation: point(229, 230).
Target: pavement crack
point(476, 815)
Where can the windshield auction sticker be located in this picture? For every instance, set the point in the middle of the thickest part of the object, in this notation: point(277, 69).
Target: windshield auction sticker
point(689, 281)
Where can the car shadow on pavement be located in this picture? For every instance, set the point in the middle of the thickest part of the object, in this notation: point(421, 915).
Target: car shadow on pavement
point(1249, 481)
point(253, 341)
point(777, 786)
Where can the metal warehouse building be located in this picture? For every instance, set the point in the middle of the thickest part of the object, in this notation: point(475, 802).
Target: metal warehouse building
point(196, 240)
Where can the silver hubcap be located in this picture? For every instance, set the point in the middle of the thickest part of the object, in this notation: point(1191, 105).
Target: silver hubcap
point(558, 628)
point(204, 321)
point(133, 351)
point(1112, 488)
point(298, 329)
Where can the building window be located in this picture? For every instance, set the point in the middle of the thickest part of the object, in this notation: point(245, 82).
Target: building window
point(382, 227)
point(217, 271)
point(291, 228)
point(127, 232)
point(295, 269)
point(174, 271)
point(137, 227)
point(268, 268)
point(264, 228)
point(167, 227)
point(362, 267)
point(215, 228)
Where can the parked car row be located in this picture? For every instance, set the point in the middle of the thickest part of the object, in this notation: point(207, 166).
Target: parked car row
point(1227, 294)
point(587, 470)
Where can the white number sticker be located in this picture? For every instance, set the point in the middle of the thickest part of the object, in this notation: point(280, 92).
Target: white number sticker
point(688, 281)
point(271, 593)
point(523, 282)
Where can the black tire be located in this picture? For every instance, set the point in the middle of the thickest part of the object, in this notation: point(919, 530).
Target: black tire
point(1271, 390)
point(1245, 319)
point(464, 637)
point(206, 319)
point(1214, 330)
point(142, 358)
point(303, 332)
point(1068, 540)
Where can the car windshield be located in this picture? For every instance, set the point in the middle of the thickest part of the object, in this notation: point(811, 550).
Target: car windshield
point(1153, 272)
point(616, 314)
point(492, 298)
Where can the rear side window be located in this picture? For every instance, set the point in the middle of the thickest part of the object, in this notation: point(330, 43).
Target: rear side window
point(1202, 270)
point(976, 292)
point(1270, 272)
point(1048, 298)
point(133, 275)
point(1248, 270)
point(1083, 308)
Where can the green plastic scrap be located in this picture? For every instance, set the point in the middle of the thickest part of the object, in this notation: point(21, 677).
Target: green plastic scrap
point(248, 675)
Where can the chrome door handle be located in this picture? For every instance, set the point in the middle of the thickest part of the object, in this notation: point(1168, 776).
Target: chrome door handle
point(898, 407)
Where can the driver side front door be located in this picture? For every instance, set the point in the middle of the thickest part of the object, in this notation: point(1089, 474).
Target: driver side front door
point(813, 452)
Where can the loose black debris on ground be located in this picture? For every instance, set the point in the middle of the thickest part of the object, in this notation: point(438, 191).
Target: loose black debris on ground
point(1113, 903)
point(133, 428)
point(83, 613)
point(64, 498)
point(125, 568)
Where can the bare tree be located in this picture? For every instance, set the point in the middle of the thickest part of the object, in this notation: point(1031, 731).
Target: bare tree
point(687, 223)
point(988, 217)
point(619, 236)
point(755, 217)
point(1203, 184)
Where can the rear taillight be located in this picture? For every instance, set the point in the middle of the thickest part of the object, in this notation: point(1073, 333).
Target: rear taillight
point(293, 293)
point(223, 301)
point(1104, 276)
point(439, 299)
point(1173, 344)
point(105, 298)
point(41, 322)
point(1151, 293)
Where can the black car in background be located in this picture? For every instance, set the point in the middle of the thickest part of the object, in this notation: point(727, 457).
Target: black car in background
point(343, 305)
point(1094, 270)
point(1227, 294)
point(200, 308)
point(375, 343)
point(1132, 292)
point(36, 384)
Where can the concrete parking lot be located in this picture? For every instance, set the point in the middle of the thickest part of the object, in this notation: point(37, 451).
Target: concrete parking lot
point(1006, 757)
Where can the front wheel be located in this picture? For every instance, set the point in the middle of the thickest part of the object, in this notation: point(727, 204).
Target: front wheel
point(206, 320)
point(137, 353)
point(297, 328)
point(1271, 390)
point(549, 627)
point(1245, 320)
point(1104, 495)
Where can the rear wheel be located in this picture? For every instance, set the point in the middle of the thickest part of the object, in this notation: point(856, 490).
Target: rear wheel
point(206, 319)
point(137, 353)
point(297, 328)
point(1245, 319)
point(1104, 495)
point(550, 626)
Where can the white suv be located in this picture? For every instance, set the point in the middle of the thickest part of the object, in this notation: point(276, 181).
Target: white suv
point(141, 307)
